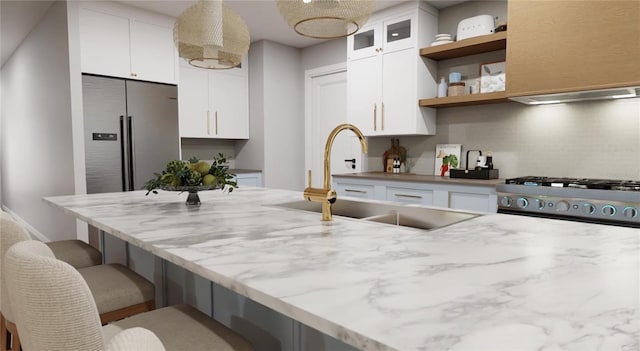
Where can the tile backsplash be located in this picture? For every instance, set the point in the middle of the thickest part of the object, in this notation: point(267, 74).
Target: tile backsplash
point(598, 139)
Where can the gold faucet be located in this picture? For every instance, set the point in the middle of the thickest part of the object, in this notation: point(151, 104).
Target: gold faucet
point(326, 195)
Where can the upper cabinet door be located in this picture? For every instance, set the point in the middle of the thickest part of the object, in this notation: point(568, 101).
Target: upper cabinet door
point(399, 33)
point(104, 43)
point(193, 103)
point(153, 55)
point(229, 105)
point(120, 41)
point(367, 42)
point(398, 92)
point(365, 94)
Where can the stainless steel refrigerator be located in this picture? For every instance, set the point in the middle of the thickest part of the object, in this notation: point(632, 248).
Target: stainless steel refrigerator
point(131, 131)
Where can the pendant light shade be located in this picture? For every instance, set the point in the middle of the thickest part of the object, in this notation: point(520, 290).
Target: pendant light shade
point(210, 35)
point(326, 19)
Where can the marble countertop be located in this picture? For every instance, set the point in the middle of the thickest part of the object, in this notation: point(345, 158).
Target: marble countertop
point(423, 178)
point(495, 282)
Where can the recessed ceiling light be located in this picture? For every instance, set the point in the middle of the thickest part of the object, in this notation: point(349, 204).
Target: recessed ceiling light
point(394, 34)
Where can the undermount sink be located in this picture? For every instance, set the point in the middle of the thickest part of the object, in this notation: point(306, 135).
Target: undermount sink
point(413, 217)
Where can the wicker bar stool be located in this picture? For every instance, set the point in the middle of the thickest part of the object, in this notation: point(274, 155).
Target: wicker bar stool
point(55, 311)
point(117, 291)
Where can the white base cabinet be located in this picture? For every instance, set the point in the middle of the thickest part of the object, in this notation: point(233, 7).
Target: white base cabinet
point(249, 179)
point(455, 196)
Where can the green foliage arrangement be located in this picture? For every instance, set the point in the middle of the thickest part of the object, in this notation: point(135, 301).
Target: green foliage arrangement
point(179, 174)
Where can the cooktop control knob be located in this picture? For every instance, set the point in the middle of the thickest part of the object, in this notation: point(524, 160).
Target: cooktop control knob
point(540, 204)
point(608, 210)
point(630, 212)
point(522, 202)
point(588, 208)
point(562, 206)
point(506, 201)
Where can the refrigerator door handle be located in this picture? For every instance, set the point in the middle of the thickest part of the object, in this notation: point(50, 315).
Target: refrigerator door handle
point(122, 156)
point(130, 150)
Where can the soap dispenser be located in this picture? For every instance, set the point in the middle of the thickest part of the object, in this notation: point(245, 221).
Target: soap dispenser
point(442, 88)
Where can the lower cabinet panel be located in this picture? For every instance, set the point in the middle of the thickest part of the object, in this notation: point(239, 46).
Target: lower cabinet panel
point(469, 201)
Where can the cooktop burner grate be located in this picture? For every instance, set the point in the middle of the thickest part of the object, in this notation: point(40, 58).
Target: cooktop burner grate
point(579, 183)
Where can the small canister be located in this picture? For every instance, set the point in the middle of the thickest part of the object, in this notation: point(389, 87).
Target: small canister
point(456, 89)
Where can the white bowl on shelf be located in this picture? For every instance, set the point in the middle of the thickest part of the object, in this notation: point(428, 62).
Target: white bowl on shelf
point(441, 42)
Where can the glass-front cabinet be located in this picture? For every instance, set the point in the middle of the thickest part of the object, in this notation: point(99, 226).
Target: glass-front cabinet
point(385, 74)
point(378, 37)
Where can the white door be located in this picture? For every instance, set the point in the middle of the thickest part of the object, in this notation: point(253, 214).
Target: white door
point(326, 106)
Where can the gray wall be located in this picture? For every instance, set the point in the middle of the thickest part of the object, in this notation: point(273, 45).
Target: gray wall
point(37, 140)
point(324, 54)
point(583, 139)
point(206, 149)
point(276, 116)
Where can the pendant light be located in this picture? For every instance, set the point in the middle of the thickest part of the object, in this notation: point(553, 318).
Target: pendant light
point(210, 35)
point(326, 19)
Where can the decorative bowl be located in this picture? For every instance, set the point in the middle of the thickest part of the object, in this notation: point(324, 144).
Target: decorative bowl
point(192, 199)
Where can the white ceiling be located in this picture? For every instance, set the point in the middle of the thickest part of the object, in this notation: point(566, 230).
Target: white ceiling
point(262, 18)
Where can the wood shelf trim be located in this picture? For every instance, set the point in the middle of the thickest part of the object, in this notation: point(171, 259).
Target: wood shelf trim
point(465, 100)
point(471, 46)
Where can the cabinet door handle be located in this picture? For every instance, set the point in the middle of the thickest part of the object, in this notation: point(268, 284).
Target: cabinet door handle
point(208, 123)
point(355, 191)
point(375, 112)
point(409, 196)
point(216, 122)
point(382, 119)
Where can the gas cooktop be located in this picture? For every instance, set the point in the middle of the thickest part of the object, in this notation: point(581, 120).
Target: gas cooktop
point(580, 183)
point(603, 201)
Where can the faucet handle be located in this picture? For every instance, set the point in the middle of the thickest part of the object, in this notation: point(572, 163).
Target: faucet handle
point(309, 178)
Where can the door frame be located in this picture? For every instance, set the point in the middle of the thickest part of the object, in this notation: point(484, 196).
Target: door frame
point(309, 75)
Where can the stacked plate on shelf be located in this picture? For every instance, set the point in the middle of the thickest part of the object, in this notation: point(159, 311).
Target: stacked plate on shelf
point(442, 39)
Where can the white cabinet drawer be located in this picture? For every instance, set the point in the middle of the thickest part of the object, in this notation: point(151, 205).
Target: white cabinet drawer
point(355, 190)
point(413, 196)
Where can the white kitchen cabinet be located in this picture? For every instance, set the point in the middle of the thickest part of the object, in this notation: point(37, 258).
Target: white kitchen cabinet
point(363, 191)
point(409, 195)
point(119, 41)
point(213, 104)
point(386, 74)
point(249, 179)
point(468, 197)
point(153, 53)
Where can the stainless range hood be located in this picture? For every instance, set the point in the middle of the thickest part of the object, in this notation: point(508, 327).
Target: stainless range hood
point(600, 94)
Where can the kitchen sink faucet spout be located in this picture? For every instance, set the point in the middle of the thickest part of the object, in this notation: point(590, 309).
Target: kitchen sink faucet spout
point(326, 195)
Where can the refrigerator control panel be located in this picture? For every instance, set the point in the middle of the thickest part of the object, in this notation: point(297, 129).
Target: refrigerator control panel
point(105, 136)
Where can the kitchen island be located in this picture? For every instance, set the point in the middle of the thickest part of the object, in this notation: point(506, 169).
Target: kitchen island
point(497, 282)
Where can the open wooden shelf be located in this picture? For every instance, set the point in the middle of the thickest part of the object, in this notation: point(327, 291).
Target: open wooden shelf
point(464, 100)
point(466, 47)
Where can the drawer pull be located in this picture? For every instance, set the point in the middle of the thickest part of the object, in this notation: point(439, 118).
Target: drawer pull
point(409, 196)
point(375, 113)
point(355, 191)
